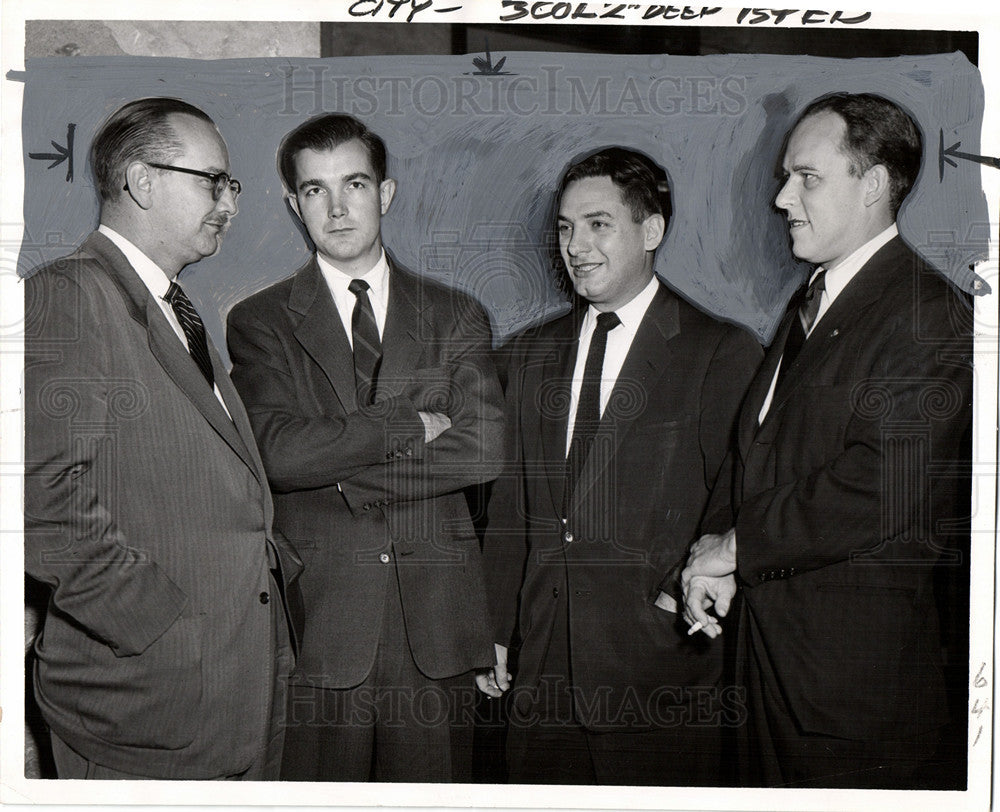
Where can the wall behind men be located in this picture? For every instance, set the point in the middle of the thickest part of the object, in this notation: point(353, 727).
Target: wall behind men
point(478, 147)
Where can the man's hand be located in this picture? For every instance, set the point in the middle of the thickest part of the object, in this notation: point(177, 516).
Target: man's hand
point(707, 580)
point(434, 424)
point(494, 681)
point(703, 591)
point(713, 555)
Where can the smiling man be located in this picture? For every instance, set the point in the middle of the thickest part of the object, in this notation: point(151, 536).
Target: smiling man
point(619, 419)
point(165, 647)
point(375, 402)
point(851, 481)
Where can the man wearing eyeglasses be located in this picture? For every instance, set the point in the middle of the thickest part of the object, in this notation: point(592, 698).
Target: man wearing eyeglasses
point(147, 511)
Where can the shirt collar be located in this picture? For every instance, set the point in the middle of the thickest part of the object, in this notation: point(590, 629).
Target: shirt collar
point(838, 278)
point(630, 314)
point(377, 278)
point(151, 274)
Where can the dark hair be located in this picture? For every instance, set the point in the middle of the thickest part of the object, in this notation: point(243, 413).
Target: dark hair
point(327, 132)
point(138, 131)
point(878, 132)
point(643, 185)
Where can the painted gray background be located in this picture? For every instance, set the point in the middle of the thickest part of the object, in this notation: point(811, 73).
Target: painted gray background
point(477, 159)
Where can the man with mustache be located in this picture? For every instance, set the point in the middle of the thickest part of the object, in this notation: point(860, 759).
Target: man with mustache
point(166, 643)
point(851, 486)
point(374, 400)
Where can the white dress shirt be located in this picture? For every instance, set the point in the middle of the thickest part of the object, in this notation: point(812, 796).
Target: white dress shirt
point(157, 282)
point(378, 292)
point(619, 342)
point(836, 280)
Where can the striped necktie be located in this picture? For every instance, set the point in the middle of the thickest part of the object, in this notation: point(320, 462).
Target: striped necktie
point(194, 330)
point(367, 345)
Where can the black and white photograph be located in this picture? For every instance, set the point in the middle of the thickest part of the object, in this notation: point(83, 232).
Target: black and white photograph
point(499, 404)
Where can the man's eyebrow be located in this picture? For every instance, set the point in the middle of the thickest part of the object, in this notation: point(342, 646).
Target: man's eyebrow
point(357, 176)
point(589, 215)
point(311, 182)
point(803, 168)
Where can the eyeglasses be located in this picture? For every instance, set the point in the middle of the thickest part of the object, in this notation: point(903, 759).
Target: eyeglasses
point(222, 180)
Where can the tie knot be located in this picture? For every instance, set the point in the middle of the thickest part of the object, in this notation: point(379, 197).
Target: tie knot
point(817, 286)
point(175, 293)
point(358, 286)
point(608, 321)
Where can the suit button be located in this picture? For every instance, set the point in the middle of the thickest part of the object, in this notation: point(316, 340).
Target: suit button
point(264, 597)
point(555, 592)
point(568, 537)
point(384, 558)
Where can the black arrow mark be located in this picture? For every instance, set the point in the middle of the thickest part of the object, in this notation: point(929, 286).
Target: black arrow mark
point(61, 154)
point(946, 155)
point(485, 67)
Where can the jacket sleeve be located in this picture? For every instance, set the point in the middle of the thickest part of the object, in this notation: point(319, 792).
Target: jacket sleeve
point(866, 496)
point(377, 453)
point(71, 539)
point(302, 450)
point(727, 378)
point(505, 544)
point(465, 387)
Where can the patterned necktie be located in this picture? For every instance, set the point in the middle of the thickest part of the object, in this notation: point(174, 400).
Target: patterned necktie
point(588, 409)
point(194, 330)
point(802, 325)
point(367, 345)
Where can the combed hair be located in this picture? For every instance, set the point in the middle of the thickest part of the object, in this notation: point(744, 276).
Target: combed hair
point(878, 132)
point(327, 132)
point(137, 131)
point(643, 185)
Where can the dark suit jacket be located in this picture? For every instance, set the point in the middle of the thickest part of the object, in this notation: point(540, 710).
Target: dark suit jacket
point(147, 511)
point(845, 494)
point(357, 491)
point(639, 502)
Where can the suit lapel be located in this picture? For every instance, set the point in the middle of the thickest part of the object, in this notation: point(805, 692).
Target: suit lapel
point(754, 401)
point(171, 353)
point(647, 360)
point(407, 319)
point(867, 286)
point(321, 334)
point(554, 387)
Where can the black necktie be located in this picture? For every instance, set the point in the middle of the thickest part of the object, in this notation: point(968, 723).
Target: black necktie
point(194, 330)
point(367, 346)
point(588, 408)
point(806, 314)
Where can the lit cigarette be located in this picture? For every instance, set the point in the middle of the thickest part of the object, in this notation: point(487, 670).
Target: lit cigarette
point(696, 628)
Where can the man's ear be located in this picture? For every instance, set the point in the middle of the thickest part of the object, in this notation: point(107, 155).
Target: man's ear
point(386, 191)
point(652, 231)
point(293, 203)
point(139, 184)
point(877, 185)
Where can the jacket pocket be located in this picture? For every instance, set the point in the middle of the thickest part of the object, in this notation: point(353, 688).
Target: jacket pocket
point(151, 699)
